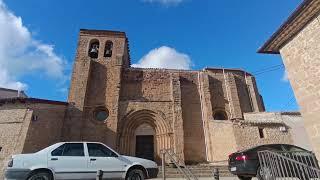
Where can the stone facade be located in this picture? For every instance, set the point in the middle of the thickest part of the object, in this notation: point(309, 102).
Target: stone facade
point(302, 61)
point(203, 116)
point(27, 126)
point(298, 42)
point(179, 105)
point(10, 93)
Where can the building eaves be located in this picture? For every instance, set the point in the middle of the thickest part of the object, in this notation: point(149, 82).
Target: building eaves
point(31, 101)
point(300, 18)
point(102, 32)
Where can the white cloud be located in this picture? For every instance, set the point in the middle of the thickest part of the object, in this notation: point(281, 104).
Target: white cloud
point(21, 54)
point(165, 2)
point(285, 77)
point(165, 57)
point(6, 81)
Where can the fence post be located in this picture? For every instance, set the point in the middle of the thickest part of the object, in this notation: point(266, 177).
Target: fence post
point(99, 175)
point(163, 165)
point(216, 173)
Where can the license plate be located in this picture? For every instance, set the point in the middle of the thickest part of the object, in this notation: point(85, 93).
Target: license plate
point(233, 169)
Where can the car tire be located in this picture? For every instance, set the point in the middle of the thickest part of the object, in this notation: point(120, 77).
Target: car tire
point(135, 174)
point(244, 178)
point(264, 174)
point(40, 175)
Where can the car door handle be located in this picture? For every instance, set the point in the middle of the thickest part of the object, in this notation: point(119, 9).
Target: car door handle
point(93, 159)
point(54, 159)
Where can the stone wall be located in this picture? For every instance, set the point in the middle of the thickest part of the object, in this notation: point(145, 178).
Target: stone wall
point(145, 85)
point(270, 122)
point(96, 84)
point(194, 143)
point(27, 128)
point(14, 125)
point(248, 136)
point(178, 104)
point(46, 127)
point(222, 140)
point(298, 131)
point(302, 61)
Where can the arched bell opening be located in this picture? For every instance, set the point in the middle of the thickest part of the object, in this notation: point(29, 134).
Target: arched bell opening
point(93, 51)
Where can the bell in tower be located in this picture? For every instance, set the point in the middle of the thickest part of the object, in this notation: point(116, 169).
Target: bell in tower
point(108, 49)
point(94, 50)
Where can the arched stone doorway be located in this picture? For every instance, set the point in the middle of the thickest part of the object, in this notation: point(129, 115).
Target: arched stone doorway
point(144, 123)
point(144, 142)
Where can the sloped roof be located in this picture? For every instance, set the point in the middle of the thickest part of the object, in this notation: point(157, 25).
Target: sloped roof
point(30, 100)
point(301, 17)
point(11, 93)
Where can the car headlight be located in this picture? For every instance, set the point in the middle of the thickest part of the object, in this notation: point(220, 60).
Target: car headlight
point(10, 163)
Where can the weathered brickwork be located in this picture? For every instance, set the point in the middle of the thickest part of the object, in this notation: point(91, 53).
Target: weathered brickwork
point(178, 105)
point(291, 121)
point(192, 118)
point(46, 127)
point(248, 135)
point(200, 115)
point(222, 137)
point(26, 128)
point(13, 122)
point(302, 61)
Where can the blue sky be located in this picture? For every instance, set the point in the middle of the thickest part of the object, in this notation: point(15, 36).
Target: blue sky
point(210, 33)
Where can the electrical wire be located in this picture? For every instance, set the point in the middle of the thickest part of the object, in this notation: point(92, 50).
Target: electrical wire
point(268, 69)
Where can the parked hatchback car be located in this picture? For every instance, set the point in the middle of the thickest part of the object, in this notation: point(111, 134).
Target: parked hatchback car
point(245, 164)
point(78, 160)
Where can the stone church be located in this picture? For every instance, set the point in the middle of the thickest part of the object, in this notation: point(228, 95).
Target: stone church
point(201, 115)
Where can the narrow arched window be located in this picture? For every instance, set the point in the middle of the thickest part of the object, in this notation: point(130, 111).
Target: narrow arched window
point(220, 115)
point(108, 49)
point(94, 49)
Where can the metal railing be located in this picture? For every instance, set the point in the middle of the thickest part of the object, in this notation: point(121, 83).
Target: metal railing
point(177, 162)
point(287, 165)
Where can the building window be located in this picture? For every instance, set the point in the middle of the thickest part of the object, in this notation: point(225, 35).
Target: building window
point(108, 49)
point(101, 115)
point(94, 49)
point(220, 115)
point(261, 133)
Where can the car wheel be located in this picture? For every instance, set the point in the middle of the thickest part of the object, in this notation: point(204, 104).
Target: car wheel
point(244, 178)
point(135, 174)
point(264, 174)
point(40, 176)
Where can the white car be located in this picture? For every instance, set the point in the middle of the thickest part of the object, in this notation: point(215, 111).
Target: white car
point(78, 160)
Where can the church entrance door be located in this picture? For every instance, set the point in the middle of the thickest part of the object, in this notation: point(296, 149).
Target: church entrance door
point(145, 146)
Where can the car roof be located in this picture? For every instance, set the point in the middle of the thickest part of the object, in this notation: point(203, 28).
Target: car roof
point(78, 142)
point(270, 145)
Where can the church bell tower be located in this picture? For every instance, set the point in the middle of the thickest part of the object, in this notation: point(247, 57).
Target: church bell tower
point(95, 86)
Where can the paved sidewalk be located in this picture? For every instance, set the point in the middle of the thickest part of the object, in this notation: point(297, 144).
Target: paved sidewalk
point(204, 178)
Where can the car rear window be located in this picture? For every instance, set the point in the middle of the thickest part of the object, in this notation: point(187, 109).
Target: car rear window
point(294, 149)
point(58, 151)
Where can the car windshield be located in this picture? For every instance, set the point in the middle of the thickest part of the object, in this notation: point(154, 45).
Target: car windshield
point(294, 149)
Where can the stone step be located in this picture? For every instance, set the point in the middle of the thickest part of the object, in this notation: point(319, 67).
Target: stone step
point(198, 171)
point(195, 171)
point(197, 175)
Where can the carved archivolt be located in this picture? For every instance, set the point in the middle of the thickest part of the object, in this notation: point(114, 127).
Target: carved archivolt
point(133, 120)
